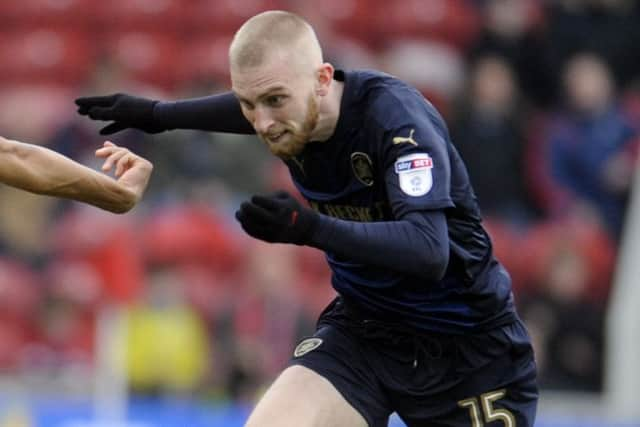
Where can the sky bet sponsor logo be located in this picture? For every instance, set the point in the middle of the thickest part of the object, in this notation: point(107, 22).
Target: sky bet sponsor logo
point(413, 164)
point(414, 174)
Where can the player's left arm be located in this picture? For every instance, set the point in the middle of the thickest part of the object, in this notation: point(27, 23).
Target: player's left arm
point(43, 171)
point(416, 244)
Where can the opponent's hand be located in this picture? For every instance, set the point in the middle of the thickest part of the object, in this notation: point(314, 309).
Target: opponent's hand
point(126, 111)
point(277, 218)
point(131, 170)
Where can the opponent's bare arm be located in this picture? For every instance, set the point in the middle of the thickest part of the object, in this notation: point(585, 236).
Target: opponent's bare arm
point(43, 171)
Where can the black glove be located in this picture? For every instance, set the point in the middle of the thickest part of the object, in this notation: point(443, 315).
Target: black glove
point(277, 218)
point(126, 111)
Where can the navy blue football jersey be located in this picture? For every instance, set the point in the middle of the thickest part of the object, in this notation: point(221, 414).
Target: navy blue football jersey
point(391, 155)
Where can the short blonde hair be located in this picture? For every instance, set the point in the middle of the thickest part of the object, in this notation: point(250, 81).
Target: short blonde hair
point(273, 32)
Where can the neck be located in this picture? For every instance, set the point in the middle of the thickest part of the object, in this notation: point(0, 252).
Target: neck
point(329, 112)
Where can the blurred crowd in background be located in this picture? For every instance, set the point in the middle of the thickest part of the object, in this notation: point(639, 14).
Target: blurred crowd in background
point(542, 100)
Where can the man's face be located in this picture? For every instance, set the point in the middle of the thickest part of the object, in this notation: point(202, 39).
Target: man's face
point(589, 85)
point(280, 103)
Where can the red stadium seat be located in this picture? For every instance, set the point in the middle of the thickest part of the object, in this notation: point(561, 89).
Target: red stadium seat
point(548, 242)
point(352, 18)
point(26, 13)
point(452, 21)
point(206, 59)
point(187, 235)
point(21, 296)
point(226, 16)
point(13, 341)
point(149, 58)
point(47, 56)
point(10, 11)
point(77, 281)
point(102, 244)
point(20, 290)
point(144, 15)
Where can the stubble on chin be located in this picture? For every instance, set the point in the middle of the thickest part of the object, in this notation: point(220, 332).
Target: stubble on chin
point(297, 139)
point(291, 148)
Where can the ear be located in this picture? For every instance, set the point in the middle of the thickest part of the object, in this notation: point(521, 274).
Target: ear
point(324, 77)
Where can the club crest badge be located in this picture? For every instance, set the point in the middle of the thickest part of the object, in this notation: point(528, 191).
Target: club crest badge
point(362, 167)
point(414, 173)
point(306, 346)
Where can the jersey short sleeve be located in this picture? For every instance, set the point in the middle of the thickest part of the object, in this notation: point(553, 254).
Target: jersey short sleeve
point(415, 153)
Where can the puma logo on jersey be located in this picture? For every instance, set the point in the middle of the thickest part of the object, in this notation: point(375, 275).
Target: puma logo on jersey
point(409, 139)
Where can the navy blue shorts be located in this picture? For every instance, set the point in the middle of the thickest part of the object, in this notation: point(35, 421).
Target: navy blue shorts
point(485, 379)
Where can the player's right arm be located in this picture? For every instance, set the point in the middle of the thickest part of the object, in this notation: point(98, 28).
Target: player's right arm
point(43, 171)
point(215, 113)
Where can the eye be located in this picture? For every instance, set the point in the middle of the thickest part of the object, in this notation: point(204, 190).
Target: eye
point(275, 100)
point(246, 105)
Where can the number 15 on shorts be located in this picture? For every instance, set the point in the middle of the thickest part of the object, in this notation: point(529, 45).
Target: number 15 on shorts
point(481, 408)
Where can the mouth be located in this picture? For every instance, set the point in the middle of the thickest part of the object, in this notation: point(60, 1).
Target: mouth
point(275, 138)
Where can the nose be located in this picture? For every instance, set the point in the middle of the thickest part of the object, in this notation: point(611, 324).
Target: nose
point(262, 120)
